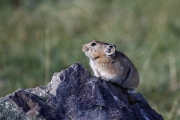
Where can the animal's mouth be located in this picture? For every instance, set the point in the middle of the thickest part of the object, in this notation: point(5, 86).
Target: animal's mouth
point(85, 50)
point(87, 55)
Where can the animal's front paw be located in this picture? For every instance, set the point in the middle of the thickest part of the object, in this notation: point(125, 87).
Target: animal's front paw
point(104, 79)
point(130, 91)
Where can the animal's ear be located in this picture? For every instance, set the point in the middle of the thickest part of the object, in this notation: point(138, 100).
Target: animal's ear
point(110, 50)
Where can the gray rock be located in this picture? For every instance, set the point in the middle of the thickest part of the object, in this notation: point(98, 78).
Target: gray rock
point(73, 94)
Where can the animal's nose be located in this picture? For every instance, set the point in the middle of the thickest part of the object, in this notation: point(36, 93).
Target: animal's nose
point(84, 48)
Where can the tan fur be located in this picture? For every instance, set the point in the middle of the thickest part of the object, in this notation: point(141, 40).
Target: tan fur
point(111, 65)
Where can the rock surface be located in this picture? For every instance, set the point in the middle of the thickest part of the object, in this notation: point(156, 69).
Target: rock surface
point(73, 94)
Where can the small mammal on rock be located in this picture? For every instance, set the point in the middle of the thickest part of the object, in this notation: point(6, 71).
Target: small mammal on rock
point(111, 65)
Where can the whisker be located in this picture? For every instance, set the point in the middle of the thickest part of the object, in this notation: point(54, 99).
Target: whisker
point(78, 54)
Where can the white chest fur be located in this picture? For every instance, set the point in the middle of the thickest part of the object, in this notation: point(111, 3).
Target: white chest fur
point(100, 71)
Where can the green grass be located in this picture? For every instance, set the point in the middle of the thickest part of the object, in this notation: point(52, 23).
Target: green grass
point(38, 39)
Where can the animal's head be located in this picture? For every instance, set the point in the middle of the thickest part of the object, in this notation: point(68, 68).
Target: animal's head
point(96, 49)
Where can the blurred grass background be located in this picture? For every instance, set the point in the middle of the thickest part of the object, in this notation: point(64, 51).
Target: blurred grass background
point(41, 37)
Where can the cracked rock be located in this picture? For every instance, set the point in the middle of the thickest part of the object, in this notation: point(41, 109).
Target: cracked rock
point(73, 94)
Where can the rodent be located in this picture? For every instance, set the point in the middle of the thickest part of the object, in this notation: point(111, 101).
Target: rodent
point(111, 65)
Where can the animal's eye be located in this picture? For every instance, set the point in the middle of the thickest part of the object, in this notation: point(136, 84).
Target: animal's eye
point(93, 44)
